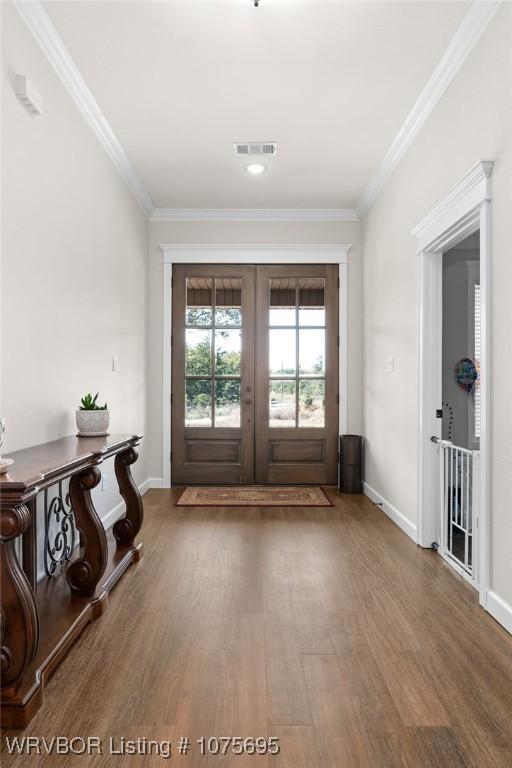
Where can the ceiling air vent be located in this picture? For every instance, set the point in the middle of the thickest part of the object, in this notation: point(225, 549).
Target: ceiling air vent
point(255, 148)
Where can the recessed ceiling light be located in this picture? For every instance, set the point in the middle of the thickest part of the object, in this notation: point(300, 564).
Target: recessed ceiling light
point(255, 168)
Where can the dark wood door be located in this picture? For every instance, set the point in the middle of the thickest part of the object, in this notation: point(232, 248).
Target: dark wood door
point(297, 374)
point(255, 374)
point(212, 411)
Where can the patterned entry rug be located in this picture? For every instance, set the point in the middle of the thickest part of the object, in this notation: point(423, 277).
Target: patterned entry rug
point(254, 496)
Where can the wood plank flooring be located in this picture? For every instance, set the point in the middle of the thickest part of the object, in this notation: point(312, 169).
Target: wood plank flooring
point(324, 627)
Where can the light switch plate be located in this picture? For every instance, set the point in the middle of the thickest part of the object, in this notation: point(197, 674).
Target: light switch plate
point(28, 95)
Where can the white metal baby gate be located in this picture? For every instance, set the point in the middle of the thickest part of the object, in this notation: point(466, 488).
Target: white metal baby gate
point(458, 506)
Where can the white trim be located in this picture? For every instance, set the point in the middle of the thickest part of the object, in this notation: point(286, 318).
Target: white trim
point(248, 254)
point(39, 23)
point(145, 486)
point(109, 518)
point(466, 36)
point(166, 374)
point(500, 610)
point(154, 482)
point(392, 512)
point(430, 349)
point(343, 349)
point(45, 33)
point(464, 210)
point(484, 569)
point(254, 214)
point(255, 254)
point(458, 203)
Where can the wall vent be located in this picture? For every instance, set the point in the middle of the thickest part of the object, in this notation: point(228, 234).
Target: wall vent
point(245, 149)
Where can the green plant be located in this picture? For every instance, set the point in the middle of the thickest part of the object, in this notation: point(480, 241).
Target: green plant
point(88, 403)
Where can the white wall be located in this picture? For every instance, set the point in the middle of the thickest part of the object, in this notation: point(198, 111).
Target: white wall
point(74, 267)
point(247, 233)
point(471, 122)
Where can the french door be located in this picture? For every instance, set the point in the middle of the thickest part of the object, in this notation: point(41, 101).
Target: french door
point(254, 374)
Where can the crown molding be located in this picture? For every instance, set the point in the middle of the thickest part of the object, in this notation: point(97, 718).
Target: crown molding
point(254, 214)
point(462, 200)
point(469, 31)
point(263, 253)
point(42, 28)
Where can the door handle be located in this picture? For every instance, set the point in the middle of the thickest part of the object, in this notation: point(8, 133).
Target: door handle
point(248, 401)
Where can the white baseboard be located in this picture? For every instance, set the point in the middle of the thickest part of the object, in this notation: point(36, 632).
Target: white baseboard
point(110, 517)
point(499, 610)
point(397, 517)
point(145, 486)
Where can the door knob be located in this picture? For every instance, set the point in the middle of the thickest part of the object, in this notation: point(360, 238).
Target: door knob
point(248, 401)
point(248, 389)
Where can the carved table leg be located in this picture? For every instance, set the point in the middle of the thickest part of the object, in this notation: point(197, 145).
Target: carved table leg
point(29, 546)
point(19, 622)
point(126, 529)
point(83, 575)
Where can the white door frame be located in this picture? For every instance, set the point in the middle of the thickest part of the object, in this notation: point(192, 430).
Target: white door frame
point(465, 209)
point(249, 254)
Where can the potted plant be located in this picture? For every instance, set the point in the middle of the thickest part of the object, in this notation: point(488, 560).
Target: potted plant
point(92, 419)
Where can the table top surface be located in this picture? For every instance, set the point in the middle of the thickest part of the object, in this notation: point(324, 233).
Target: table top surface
point(33, 465)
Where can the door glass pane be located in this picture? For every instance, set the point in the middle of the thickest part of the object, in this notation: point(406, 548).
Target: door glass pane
point(198, 403)
point(227, 403)
point(312, 403)
point(312, 351)
point(282, 401)
point(282, 301)
point(282, 352)
point(311, 301)
point(198, 357)
point(228, 347)
point(228, 301)
point(199, 301)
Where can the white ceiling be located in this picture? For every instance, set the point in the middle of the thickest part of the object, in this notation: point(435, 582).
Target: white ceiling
point(331, 82)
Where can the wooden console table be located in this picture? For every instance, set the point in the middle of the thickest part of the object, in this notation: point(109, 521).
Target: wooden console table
point(39, 621)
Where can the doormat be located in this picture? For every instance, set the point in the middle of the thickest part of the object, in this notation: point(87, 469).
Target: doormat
point(254, 496)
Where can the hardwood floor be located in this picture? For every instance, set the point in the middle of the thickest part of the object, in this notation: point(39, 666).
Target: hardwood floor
point(325, 627)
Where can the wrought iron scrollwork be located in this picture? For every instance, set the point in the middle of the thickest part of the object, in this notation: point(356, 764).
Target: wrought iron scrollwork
point(59, 531)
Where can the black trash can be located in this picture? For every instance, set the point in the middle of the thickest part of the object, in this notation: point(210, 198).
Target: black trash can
point(351, 464)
